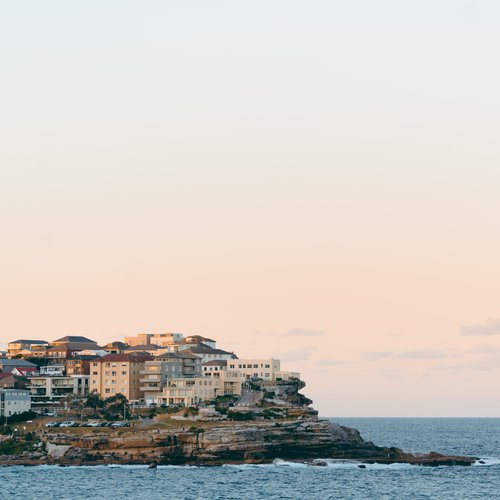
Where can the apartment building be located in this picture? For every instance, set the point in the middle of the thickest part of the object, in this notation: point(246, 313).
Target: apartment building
point(21, 346)
point(14, 401)
point(169, 365)
point(265, 369)
point(52, 390)
point(207, 353)
point(118, 374)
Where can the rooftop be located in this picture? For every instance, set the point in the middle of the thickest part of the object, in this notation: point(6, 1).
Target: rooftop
point(73, 338)
point(25, 341)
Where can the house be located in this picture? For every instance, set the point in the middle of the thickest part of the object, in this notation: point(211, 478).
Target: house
point(8, 364)
point(207, 353)
point(14, 401)
point(25, 371)
point(75, 339)
point(11, 381)
point(61, 352)
point(16, 346)
point(115, 347)
point(118, 374)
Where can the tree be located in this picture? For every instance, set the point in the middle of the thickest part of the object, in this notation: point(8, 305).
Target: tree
point(94, 401)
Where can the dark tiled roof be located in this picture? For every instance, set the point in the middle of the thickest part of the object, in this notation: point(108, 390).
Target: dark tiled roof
point(75, 338)
point(203, 349)
point(74, 346)
point(15, 362)
point(25, 341)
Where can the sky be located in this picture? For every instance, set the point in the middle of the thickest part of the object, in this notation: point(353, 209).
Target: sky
point(315, 181)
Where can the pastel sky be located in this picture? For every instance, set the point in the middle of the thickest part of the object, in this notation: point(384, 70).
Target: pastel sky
point(316, 181)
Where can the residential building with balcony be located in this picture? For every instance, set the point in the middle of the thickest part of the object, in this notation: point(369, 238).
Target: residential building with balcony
point(169, 365)
point(118, 374)
point(24, 345)
point(52, 390)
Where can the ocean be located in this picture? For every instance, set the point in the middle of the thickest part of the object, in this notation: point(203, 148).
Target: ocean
point(283, 480)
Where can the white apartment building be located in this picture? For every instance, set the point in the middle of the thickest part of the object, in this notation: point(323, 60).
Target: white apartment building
point(48, 390)
point(13, 401)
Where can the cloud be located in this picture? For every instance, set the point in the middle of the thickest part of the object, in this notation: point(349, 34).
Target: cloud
point(327, 362)
point(298, 354)
point(491, 327)
point(302, 332)
point(294, 332)
point(376, 356)
point(422, 355)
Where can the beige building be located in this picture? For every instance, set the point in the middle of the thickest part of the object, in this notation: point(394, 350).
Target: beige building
point(265, 369)
point(217, 380)
point(139, 339)
point(118, 374)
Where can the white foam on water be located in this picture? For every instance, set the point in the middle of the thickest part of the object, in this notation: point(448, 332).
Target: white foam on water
point(488, 461)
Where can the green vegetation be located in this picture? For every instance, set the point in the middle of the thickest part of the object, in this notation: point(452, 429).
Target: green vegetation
point(19, 417)
point(240, 416)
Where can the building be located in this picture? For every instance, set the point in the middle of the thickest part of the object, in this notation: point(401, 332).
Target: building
point(156, 372)
point(152, 349)
point(265, 369)
point(115, 347)
point(207, 353)
point(8, 364)
point(166, 339)
point(118, 374)
point(25, 371)
point(79, 364)
point(15, 347)
point(92, 344)
point(11, 381)
point(14, 401)
point(192, 391)
point(52, 390)
point(61, 352)
point(139, 339)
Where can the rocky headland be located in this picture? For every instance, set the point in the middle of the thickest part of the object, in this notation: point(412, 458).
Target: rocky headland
point(285, 428)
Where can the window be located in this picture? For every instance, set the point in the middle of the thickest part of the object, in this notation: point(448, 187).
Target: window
point(107, 391)
point(124, 373)
point(106, 373)
point(231, 366)
point(94, 373)
point(113, 374)
point(95, 364)
point(255, 366)
point(268, 366)
point(268, 374)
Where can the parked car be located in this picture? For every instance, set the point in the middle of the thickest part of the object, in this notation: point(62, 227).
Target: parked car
point(53, 424)
point(93, 424)
point(69, 423)
point(120, 424)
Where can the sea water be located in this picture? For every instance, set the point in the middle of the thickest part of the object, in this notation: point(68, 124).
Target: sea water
point(282, 480)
